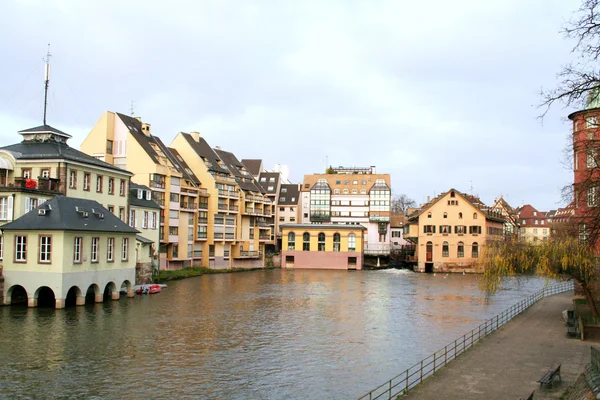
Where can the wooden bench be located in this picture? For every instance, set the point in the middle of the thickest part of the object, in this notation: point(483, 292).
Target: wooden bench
point(548, 378)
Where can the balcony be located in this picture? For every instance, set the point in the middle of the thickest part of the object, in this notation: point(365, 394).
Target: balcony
point(41, 185)
point(320, 217)
point(264, 237)
point(160, 202)
point(202, 236)
point(219, 235)
point(249, 254)
point(197, 254)
point(379, 218)
point(234, 195)
point(223, 207)
point(203, 206)
point(157, 184)
point(230, 236)
point(262, 223)
point(188, 205)
point(203, 220)
point(203, 191)
point(377, 249)
point(234, 208)
point(249, 210)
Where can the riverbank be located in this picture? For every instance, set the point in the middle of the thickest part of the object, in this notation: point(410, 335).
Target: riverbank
point(171, 275)
point(509, 362)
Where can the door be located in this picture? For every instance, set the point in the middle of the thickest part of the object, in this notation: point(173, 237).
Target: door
point(429, 252)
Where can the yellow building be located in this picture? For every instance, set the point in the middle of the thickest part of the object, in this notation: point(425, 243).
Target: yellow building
point(237, 228)
point(451, 231)
point(128, 143)
point(144, 214)
point(534, 225)
point(65, 250)
point(322, 246)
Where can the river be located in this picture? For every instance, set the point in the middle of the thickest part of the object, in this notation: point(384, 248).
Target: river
point(275, 334)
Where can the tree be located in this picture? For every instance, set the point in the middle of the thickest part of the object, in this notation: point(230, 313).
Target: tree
point(401, 203)
point(330, 170)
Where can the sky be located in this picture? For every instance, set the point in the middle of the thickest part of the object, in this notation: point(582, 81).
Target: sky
point(438, 94)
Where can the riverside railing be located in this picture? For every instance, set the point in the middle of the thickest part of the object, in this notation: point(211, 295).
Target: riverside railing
point(406, 380)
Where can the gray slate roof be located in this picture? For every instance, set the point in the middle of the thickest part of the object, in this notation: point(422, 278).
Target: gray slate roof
point(204, 150)
point(134, 201)
point(253, 165)
point(46, 129)
point(62, 215)
point(268, 183)
point(292, 192)
point(245, 182)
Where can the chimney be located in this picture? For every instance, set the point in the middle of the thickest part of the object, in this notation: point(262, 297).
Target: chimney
point(139, 118)
point(195, 136)
point(373, 169)
point(428, 199)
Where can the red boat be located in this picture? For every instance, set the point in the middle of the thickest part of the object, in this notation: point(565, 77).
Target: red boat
point(149, 289)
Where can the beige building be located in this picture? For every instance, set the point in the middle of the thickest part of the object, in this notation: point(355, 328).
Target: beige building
point(351, 196)
point(144, 216)
point(65, 250)
point(534, 225)
point(128, 143)
point(451, 231)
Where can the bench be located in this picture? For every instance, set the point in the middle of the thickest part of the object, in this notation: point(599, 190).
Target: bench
point(548, 378)
point(530, 397)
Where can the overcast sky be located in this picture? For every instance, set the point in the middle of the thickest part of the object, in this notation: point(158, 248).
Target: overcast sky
point(437, 93)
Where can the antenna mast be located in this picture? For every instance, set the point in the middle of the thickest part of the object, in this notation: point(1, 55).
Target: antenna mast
point(47, 73)
point(131, 108)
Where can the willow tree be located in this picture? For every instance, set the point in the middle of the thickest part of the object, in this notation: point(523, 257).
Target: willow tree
point(564, 257)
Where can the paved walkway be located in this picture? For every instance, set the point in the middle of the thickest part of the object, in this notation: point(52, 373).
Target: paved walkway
point(507, 363)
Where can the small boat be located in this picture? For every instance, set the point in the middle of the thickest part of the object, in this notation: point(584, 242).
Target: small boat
point(149, 289)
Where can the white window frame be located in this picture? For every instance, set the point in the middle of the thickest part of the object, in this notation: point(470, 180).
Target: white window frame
point(124, 249)
point(77, 246)
point(94, 249)
point(110, 249)
point(45, 255)
point(21, 248)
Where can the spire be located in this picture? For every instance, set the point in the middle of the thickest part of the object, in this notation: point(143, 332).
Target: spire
point(47, 76)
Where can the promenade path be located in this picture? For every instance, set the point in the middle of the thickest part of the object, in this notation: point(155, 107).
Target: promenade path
point(507, 363)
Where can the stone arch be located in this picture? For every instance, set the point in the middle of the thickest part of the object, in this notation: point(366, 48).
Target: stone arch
point(93, 294)
point(110, 291)
point(74, 297)
point(45, 297)
point(127, 287)
point(16, 294)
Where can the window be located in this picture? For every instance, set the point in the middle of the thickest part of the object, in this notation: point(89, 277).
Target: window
point(95, 245)
point(26, 173)
point(321, 245)
point(30, 204)
point(355, 182)
point(459, 215)
point(282, 199)
point(460, 229)
point(125, 249)
point(592, 197)
point(345, 191)
point(537, 222)
point(583, 234)
point(5, 207)
point(475, 229)
point(1, 247)
point(86, 181)
point(535, 231)
point(72, 179)
point(109, 147)
point(545, 232)
point(445, 250)
point(174, 197)
point(336, 242)
point(306, 241)
point(429, 229)
point(474, 215)
point(460, 250)
point(77, 249)
point(145, 220)
point(45, 173)
point(110, 249)
point(153, 216)
point(99, 181)
point(21, 248)
point(591, 158)
point(336, 191)
point(475, 250)
point(352, 242)
point(428, 215)
point(263, 179)
point(363, 191)
point(291, 241)
point(122, 213)
point(111, 185)
point(173, 230)
point(45, 249)
point(132, 218)
point(122, 187)
point(445, 215)
point(445, 229)
point(591, 122)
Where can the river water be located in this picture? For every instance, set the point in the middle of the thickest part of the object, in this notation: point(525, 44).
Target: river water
point(274, 334)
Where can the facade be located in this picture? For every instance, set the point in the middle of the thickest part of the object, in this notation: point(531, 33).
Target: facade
point(450, 232)
point(561, 220)
point(397, 240)
point(511, 217)
point(353, 196)
point(128, 143)
point(67, 249)
point(322, 246)
point(533, 224)
point(270, 182)
point(144, 216)
point(288, 208)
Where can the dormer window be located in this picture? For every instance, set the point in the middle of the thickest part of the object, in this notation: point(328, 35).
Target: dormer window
point(452, 194)
point(148, 195)
point(140, 194)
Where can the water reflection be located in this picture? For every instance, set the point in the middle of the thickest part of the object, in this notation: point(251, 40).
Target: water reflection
point(264, 334)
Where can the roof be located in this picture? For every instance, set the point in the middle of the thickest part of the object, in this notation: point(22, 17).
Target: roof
point(142, 239)
point(271, 180)
point(203, 150)
point(345, 181)
point(244, 180)
point(255, 166)
point(134, 201)
point(289, 194)
point(181, 165)
point(33, 150)
point(331, 227)
point(397, 220)
point(528, 215)
point(45, 129)
point(69, 214)
point(135, 129)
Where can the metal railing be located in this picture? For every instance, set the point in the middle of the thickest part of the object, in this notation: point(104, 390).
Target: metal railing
point(406, 380)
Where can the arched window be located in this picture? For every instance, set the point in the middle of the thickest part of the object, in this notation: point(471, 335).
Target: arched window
point(336, 242)
point(354, 191)
point(336, 191)
point(291, 241)
point(321, 245)
point(445, 250)
point(474, 215)
point(363, 191)
point(459, 215)
point(475, 250)
point(451, 194)
point(306, 241)
point(428, 215)
point(460, 250)
point(345, 191)
point(445, 215)
point(352, 242)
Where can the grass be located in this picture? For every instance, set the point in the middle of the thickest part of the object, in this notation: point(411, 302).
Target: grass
point(198, 271)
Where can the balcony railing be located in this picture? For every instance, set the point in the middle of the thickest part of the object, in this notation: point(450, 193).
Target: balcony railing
point(189, 205)
point(377, 249)
point(41, 185)
point(218, 235)
point(317, 217)
point(234, 208)
point(203, 220)
point(157, 184)
point(250, 254)
point(202, 235)
point(230, 236)
point(160, 202)
point(203, 206)
point(249, 210)
point(234, 195)
point(264, 237)
point(223, 207)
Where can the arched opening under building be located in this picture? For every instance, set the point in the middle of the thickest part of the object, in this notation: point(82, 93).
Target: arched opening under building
point(17, 295)
point(45, 297)
point(90, 294)
point(125, 286)
point(108, 290)
point(72, 294)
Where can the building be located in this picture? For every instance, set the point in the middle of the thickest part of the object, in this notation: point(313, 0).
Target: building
point(353, 196)
point(322, 246)
point(511, 217)
point(66, 249)
point(128, 143)
point(561, 221)
point(270, 182)
point(254, 166)
point(450, 231)
point(288, 209)
point(144, 214)
point(533, 224)
point(397, 224)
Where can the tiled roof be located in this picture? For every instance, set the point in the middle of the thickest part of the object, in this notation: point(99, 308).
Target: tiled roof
point(202, 149)
point(271, 180)
point(244, 181)
point(68, 214)
point(291, 196)
point(254, 166)
point(179, 162)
